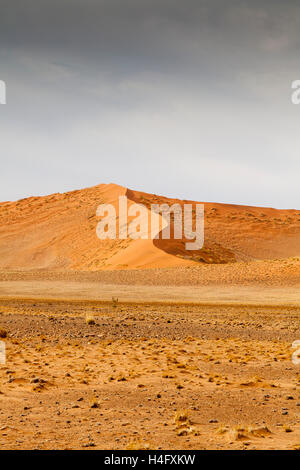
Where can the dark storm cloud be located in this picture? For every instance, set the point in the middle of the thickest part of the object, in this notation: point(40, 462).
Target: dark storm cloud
point(187, 98)
point(164, 32)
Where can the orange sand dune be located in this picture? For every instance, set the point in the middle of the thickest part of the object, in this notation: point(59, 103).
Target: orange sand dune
point(58, 232)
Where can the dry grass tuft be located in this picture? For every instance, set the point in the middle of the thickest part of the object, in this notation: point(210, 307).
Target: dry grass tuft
point(240, 433)
point(184, 425)
point(138, 444)
point(261, 431)
point(94, 403)
point(90, 319)
point(221, 429)
point(182, 417)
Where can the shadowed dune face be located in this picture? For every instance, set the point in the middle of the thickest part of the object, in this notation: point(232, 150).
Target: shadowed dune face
point(211, 252)
point(234, 233)
point(59, 232)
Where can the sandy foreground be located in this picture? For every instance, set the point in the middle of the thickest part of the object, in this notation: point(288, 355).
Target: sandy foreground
point(164, 367)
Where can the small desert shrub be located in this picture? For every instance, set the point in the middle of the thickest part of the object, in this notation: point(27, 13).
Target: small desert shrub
point(138, 444)
point(94, 403)
point(260, 431)
point(221, 429)
point(182, 418)
point(89, 319)
point(184, 425)
point(238, 433)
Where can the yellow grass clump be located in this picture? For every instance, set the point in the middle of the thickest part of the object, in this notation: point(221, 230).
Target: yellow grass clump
point(90, 319)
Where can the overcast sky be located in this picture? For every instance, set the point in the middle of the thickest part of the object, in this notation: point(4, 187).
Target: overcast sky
point(182, 98)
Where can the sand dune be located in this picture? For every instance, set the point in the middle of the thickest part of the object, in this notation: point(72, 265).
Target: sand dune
point(58, 232)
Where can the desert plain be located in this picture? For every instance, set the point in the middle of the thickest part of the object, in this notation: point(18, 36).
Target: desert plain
point(138, 344)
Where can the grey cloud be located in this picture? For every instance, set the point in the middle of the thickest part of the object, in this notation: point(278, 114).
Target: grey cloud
point(189, 99)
